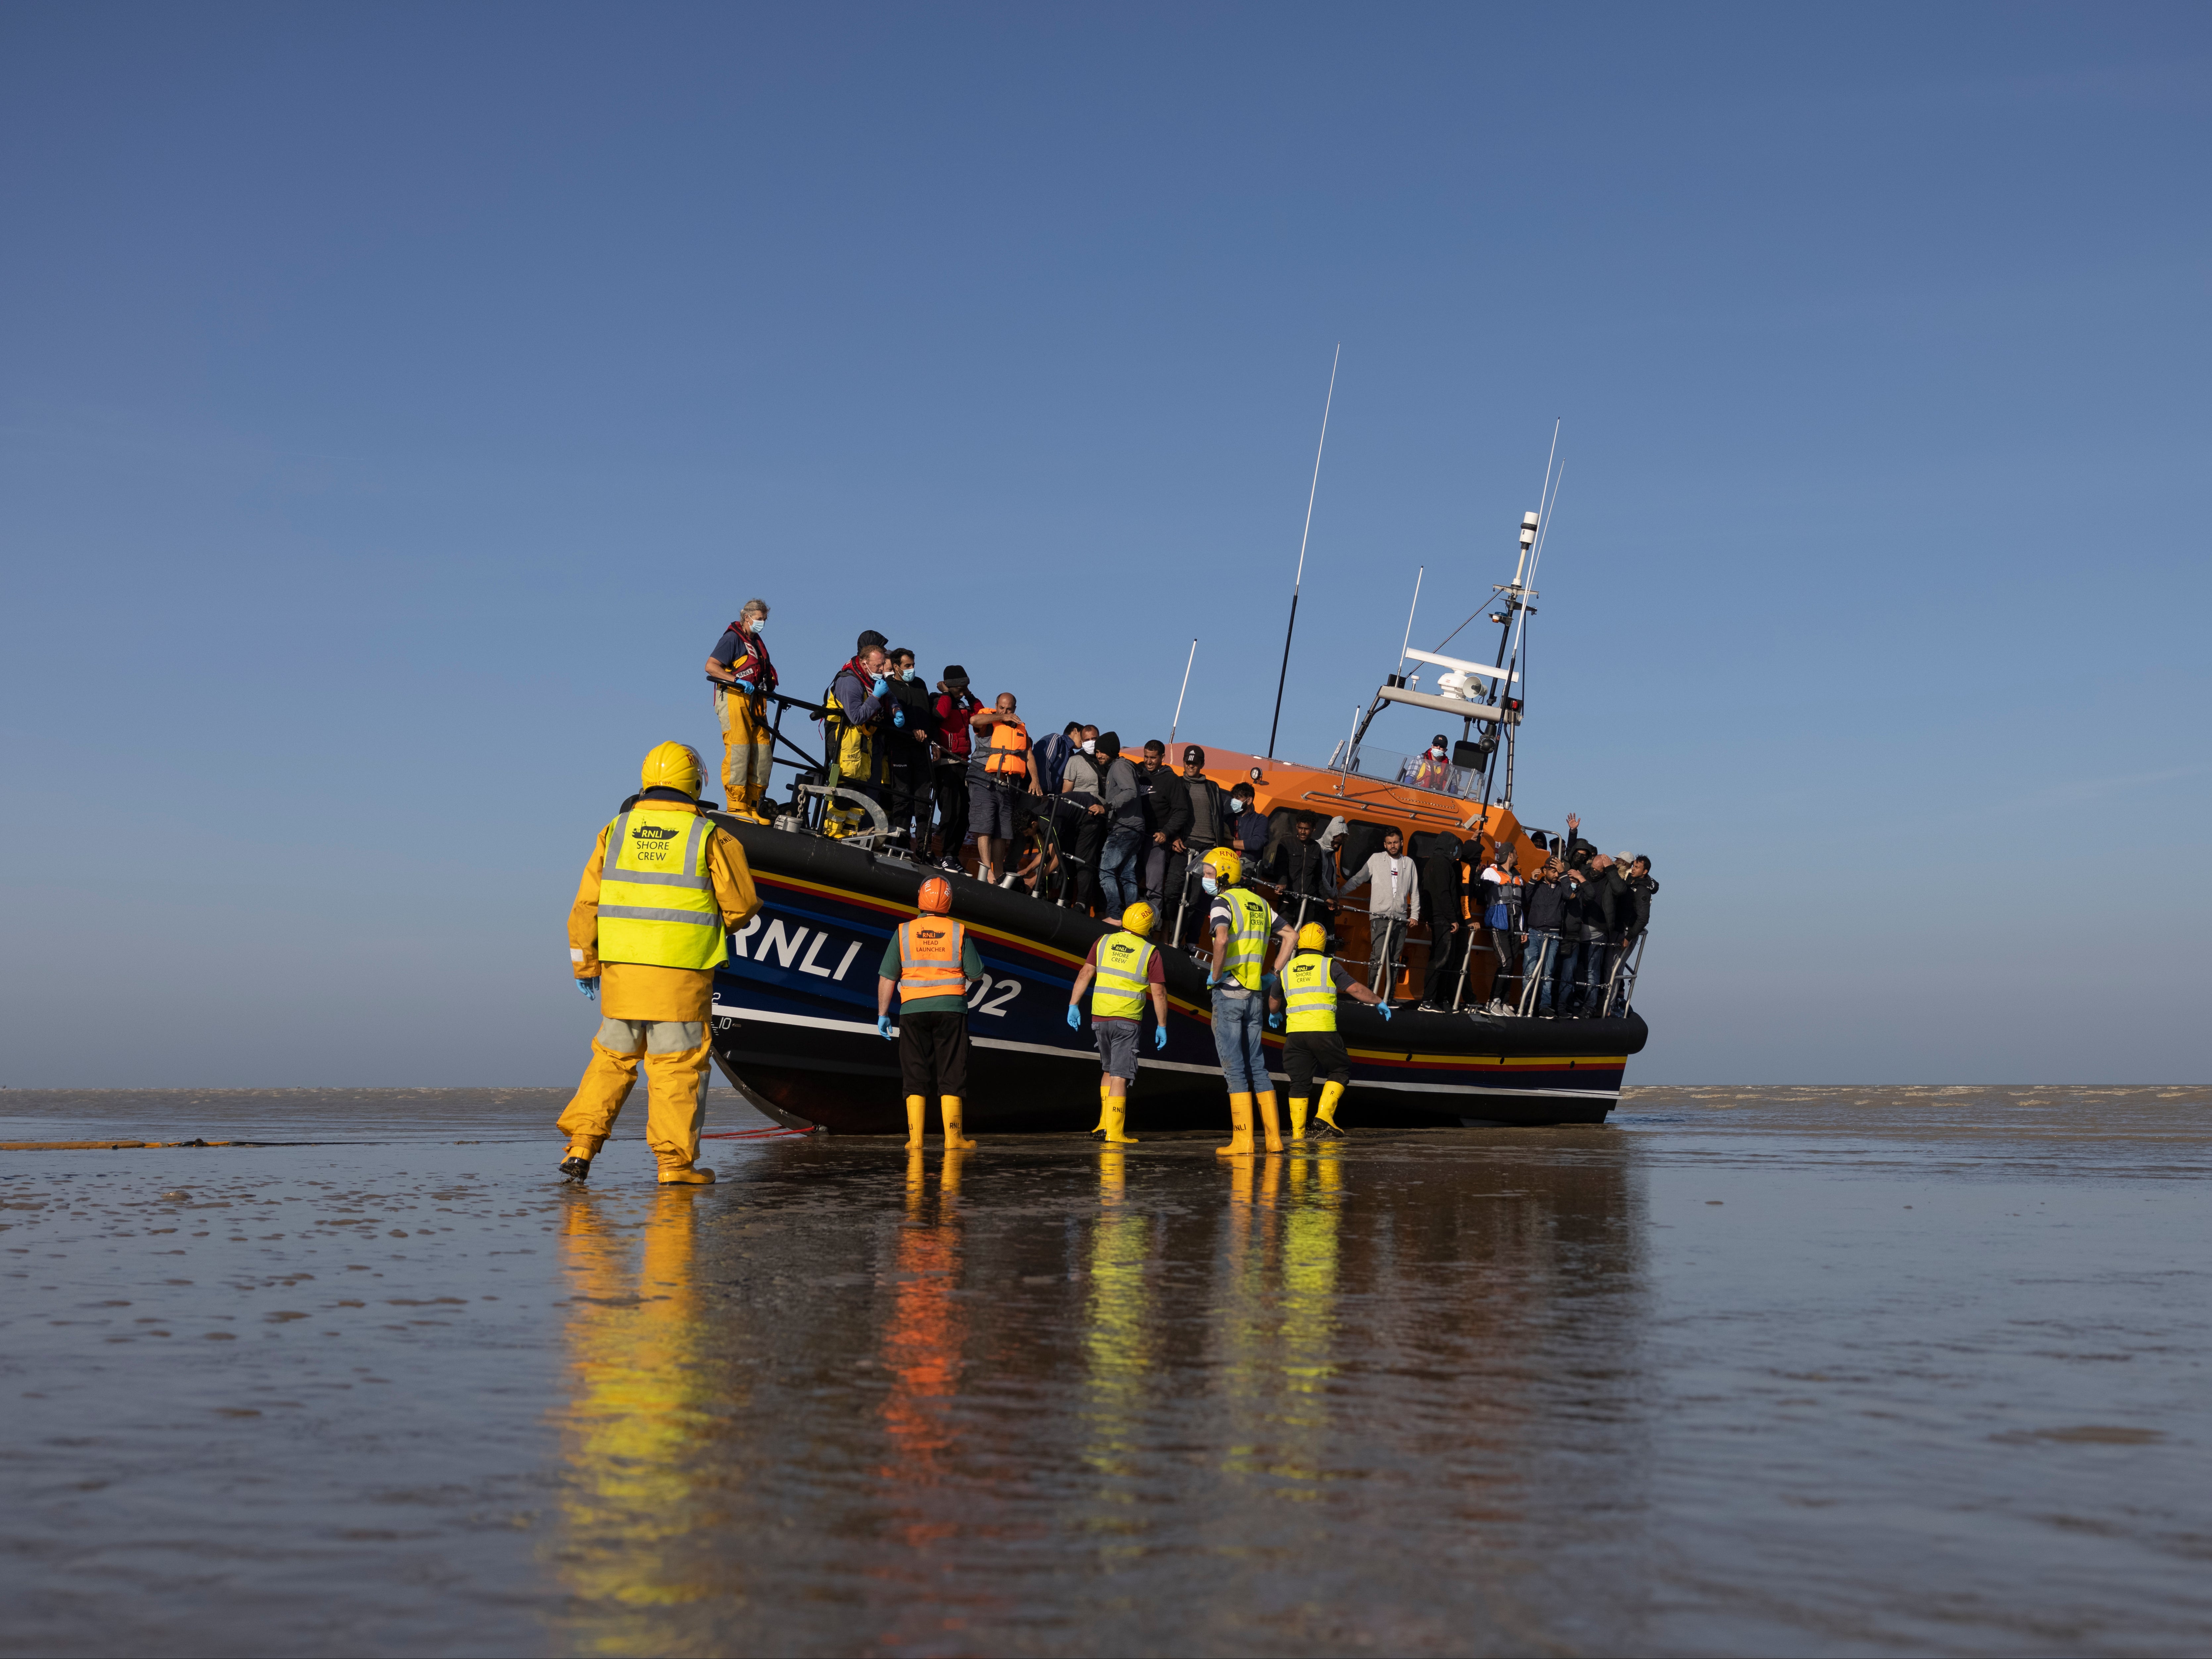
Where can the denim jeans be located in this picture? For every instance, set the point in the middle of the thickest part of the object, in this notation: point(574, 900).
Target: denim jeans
point(1117, 870)
point(1539, 957)
point(1577, 957)
point(1239, 1018)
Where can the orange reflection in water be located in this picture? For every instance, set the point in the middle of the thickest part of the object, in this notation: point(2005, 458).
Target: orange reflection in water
point(924, 1342)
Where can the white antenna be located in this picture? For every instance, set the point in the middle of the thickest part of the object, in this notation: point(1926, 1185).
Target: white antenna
point(1283, 678)
point(1408, 639)
point(1177, 720)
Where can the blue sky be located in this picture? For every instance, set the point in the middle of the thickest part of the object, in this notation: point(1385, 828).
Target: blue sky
point(395, 401)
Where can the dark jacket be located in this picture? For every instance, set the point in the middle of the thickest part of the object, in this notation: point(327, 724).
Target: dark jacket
point(1544, 905)
point(1303, 868)
point(1167, 803)
point(909, 707)
point(1598, 902)
point(1440, 884)
point(1640, 889)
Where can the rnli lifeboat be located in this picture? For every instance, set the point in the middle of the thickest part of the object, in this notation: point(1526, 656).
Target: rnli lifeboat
point(794, 1009)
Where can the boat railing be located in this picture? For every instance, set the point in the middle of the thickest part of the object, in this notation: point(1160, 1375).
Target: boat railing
point(1422, 771)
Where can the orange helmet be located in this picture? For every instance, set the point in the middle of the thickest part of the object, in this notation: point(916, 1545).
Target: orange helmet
point(935, 896)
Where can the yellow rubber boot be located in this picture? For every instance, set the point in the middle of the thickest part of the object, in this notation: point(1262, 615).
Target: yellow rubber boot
point(954, 1142)
point(1299, 1105)
point(1117, 1121)
point(685, 1174)
point(1240, 1129)
point(1105, 1096)
point(1269, 1123)
point(916, 1110)
point(1330, 1094)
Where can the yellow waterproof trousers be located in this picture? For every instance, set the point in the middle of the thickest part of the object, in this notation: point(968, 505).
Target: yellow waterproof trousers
point(747, 744)
point(676, 1053)
point(855, 769)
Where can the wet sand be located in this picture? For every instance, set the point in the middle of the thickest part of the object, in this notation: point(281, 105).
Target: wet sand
point(1747, 1371)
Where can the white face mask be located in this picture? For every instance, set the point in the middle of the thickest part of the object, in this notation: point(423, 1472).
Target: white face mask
point(1211, 885)
point(758, 623)
point(1438, 753)
point(1090, 745)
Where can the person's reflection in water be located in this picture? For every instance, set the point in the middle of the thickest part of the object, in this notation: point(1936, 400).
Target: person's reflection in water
point(636, 1415)
point(1116, 1351)
point(923, 1345)
point(1309, 1250)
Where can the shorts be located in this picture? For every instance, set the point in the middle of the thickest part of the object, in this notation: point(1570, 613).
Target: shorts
point(991, 809)
point(1117, 1047)
point(933, 1054)
point(1309, 1054)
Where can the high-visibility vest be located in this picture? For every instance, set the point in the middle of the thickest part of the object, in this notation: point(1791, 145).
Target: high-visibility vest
point(656, 901)
point(1124, 971)
point(1010, 750)
point(931, 951)
point(1253, 923)
point(1309, 991)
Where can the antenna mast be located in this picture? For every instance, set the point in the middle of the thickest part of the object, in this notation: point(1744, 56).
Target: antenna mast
point(1298, 581)
point(1177, 720)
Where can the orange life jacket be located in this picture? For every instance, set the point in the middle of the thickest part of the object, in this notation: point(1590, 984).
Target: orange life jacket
point(931, 949)
point(1010, 750)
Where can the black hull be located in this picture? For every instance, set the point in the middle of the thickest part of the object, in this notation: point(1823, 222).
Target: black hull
point(794, 1025)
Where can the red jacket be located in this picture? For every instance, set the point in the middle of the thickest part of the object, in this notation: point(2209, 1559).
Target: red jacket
point(953, 714)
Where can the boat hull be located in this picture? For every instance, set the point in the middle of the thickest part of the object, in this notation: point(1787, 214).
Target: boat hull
point(795, 1020)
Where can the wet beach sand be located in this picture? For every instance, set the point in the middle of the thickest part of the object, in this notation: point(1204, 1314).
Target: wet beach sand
point(1746, 1371)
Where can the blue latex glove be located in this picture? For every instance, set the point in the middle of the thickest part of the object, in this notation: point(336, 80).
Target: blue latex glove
point(1074, 1017)
point(590, 987)
point(884, 1027)
point(1383, 1008)
point(1159, 1038)
point(1274, 1022)
point(743, 685)
point(898, 716)
point(880, 687)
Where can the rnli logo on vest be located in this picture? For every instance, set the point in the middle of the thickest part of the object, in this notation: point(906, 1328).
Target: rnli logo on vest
point(648, 843)
point(654, 832)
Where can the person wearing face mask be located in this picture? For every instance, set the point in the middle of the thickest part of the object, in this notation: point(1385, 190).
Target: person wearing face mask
point(1431, 768)
point(1249, 831)
point(908, 740)
point(1083, 793)
point(854, 713)
point(742, 677)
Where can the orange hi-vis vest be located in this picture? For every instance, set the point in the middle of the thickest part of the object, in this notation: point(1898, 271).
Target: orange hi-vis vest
point(930, 952)
point(1010, 750)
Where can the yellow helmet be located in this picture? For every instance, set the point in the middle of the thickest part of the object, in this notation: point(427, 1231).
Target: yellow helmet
point(1226, 865)
point(671, 766)
point(1313, 937)
point(1138, 919)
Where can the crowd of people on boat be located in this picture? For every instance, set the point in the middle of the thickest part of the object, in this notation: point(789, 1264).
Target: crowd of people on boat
point(1073, 818)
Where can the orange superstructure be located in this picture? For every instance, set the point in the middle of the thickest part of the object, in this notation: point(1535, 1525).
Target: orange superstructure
point(1282, 786)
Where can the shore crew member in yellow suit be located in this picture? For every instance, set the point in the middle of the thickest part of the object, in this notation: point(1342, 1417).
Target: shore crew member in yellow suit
point(931, 962)
point(742, 677)
point(651, 922)
point(1309, 983)
point(1121, 971)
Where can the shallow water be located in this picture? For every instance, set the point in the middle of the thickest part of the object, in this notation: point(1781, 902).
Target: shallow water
point(1746, 1371)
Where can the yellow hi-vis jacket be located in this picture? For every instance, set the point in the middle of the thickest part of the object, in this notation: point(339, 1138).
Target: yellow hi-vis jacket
point(1124, 964)
point(1309, 991)
point(656, 898)
point(1246, 959)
